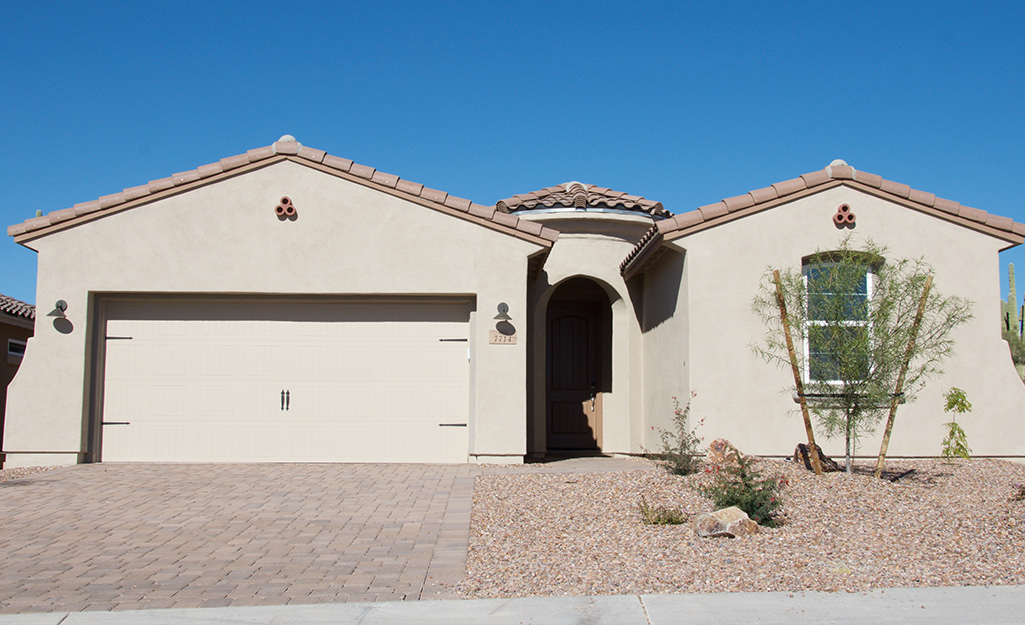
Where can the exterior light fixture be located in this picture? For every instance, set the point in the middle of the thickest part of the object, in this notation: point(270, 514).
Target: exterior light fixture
point(503, 312)
point(58, 309)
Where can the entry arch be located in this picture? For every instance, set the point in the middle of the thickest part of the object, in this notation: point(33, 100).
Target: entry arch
point(575, 355)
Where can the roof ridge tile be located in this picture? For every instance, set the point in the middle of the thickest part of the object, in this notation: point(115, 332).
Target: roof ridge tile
point(838, 171)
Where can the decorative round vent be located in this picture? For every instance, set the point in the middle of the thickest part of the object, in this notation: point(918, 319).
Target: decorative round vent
point(285, 209)
point(844, 218)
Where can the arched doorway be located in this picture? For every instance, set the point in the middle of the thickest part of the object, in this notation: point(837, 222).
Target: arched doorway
point(578, 359)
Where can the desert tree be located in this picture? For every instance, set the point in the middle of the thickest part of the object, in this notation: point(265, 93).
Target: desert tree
point(869, 331)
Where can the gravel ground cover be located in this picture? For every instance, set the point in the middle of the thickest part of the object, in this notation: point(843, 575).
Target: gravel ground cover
point(13, 474)
point(581, 534)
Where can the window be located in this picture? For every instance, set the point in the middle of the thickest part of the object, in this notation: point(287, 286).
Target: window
point(837, 340)
point(16, 348)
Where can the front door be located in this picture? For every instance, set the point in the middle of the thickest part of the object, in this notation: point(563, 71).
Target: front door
point(573, 376)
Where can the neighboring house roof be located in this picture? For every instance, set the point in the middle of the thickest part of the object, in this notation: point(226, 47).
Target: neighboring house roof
point(578, 195)
point(838, 173)
point(17, 308)
point(286, 148)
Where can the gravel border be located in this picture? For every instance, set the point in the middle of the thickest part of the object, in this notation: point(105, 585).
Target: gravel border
point(20, 472)
point(581, 534)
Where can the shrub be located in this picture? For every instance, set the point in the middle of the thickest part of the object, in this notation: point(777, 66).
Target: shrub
point(1019, 495)
point(681, 448)
point(955, 445)
point(742, 485)
point(1017, 346)
point(661, 515)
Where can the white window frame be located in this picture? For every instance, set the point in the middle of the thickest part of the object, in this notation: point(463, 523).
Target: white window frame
point(869, 288)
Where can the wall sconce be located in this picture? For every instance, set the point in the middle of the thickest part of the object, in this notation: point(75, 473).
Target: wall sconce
point(503, 312)
point(58, 310)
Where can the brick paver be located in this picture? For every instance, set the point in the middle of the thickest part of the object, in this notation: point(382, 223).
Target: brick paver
point(116, 537)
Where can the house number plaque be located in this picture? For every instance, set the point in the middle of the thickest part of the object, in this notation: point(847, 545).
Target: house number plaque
point(497, 338)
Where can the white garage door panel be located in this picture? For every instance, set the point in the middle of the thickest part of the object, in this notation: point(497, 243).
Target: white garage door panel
point(366, 382)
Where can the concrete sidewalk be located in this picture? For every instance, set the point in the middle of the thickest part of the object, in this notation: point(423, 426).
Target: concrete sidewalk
point(979, 605)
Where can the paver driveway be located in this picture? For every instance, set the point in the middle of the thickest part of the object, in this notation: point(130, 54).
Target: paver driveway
point(109, 537)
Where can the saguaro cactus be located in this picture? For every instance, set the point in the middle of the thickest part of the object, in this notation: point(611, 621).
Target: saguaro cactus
point(1012, 303)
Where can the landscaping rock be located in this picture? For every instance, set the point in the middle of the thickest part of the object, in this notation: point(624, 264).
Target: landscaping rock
point(721, 451)
point(801, 455)
point(729, 522)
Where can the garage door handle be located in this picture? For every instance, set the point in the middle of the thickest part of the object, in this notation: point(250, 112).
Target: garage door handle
point(452, 425)
point(116, 423)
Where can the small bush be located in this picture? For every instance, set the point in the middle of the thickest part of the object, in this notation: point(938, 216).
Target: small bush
point(661, 515)
point(1017, 345)
point(681, 449)
point(955, 445)
point(1019, 495)
point(742, 485)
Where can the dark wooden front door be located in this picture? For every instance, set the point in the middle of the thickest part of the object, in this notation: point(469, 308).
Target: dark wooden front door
point(573, 376)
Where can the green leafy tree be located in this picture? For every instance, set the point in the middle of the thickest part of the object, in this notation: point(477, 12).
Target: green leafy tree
point(852, 316)
point(955, 445)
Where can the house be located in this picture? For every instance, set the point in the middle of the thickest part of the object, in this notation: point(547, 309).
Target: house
point(289, 305)
point(16, 321)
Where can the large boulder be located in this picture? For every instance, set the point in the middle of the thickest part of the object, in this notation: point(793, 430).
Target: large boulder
point(721, 451)
point(729, 522)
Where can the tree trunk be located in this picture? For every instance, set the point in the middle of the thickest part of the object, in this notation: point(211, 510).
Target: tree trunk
point(900, 378)
point(847, 456)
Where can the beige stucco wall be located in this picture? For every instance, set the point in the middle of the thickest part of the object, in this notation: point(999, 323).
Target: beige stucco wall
point(591, 245)
point(666, 342)
point(743, 398)
point(225, 238)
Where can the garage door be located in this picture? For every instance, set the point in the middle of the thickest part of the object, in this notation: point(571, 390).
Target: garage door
point(286, 382)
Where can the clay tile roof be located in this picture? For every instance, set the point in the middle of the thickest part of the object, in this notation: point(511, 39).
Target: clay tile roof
point(288, 148)
point(17, 308)
point(838, 172)
point(580, 196)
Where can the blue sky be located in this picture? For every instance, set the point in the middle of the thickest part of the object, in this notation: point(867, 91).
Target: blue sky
point(686, 103)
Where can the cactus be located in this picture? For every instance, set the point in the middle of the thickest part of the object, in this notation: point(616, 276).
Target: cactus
point(1012, 303)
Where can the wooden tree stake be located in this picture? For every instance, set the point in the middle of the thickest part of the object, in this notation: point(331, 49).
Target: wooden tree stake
point(813, 449)
point(900, 377)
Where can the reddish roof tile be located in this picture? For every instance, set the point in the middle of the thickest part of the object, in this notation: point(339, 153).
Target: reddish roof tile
point(763, 195)
point(387, 180)
point(312, 154)
point(412, 188)
point(362, 171)
point(457, 203)
point(580, 196)
point(787, 187)
point(871, 180)
point(185, 176)
point(341, 164)
point(232, 162)
point(16, 308)
point(286, 147)
point(838, 170)
point(814, 178)
point(922, 197)
point(289, 148)
point(487, 212)
point(896, 188)
point(258, 154)
point(738, 202)
point(711, 211)
point(205, 171)
point(947, 206)
point(433, 195)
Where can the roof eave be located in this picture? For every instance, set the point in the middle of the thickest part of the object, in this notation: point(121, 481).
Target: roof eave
point(293, 151)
